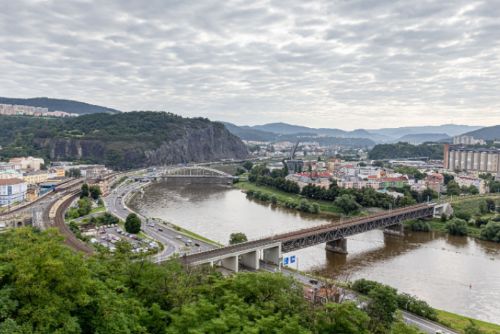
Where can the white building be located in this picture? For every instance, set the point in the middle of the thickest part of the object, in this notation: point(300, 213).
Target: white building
point(27, 163)
point(12, 191)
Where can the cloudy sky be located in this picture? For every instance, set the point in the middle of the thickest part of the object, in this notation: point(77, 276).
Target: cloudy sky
point(338, 63)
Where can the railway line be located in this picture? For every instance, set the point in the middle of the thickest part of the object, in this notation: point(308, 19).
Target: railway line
point(56, 215)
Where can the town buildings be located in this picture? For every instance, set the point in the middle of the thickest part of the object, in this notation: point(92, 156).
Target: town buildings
point(12, 191)
point(463, 158)
point(21, 110)
point(467, 140)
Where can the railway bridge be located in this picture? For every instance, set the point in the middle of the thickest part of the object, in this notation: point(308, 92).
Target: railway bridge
point(270, 249)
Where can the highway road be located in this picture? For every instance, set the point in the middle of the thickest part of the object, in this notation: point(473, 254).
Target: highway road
point(174, 242)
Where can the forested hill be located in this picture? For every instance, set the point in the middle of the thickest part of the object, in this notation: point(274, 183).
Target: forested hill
point(124, 140)
point(70, 106)
point(405, 150)
point(488, 133)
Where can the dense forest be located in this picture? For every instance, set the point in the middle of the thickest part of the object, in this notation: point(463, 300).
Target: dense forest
point(47, 288)
point(405, 150)
point(124, 140)
point(70, 106)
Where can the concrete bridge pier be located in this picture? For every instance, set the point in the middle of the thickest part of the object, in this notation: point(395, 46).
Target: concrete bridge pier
point(272, 255)
point(337, 246)
point(397, 229)
point(250, 260)
point(230, 263)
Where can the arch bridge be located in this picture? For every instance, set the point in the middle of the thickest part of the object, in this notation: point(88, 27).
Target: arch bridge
point(195, 174)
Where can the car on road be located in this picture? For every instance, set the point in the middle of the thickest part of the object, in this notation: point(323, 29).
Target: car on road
point(313, 281)
point(160, 229)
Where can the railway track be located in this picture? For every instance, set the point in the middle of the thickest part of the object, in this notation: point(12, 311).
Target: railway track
point(69, 238)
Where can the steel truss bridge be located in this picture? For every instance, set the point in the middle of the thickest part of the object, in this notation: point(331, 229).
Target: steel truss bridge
point(331, 232)
point(328, 233)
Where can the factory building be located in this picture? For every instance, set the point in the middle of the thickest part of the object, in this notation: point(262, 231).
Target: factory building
point(462, 158)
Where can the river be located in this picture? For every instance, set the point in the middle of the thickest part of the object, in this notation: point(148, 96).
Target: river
point(458, 274)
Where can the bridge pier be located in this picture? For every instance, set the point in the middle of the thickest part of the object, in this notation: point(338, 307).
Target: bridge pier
point(230, 263)
point(272, 255)
point(337, 246)
point(250, 260)
point(397, 229)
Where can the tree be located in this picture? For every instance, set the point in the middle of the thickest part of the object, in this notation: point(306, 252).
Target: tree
point(343, 318)
point(73, 172)
point(84, 206)
point(456, 226)
point(84, 190)
point(381, 308)
point(453, 189)
point(247, 165)
point(237, 238)
point(133, 224)
point(95, 192)
point(347, 204)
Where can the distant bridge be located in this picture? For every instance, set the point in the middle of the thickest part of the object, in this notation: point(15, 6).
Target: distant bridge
point(270, 249)
point(193, 174)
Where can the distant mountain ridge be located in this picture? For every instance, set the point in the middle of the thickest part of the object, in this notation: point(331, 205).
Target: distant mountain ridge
point(70, 106)
point(420, 138)
point(415, 134)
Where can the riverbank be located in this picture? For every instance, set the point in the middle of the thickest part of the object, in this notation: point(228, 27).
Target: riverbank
point(328, 209)
point(476, 211)
point(459, 323)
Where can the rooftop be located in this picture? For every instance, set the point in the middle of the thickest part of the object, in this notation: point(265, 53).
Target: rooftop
point(10, 182)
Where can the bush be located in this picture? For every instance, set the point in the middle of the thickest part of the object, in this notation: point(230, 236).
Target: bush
point(491, 231)
point(416, 306)
point(274, 199)
point(420, 226)
point(480, 221)
point(463, 215)
point(236, 238)
point(456, 227)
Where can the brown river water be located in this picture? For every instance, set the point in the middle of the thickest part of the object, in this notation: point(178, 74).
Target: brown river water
point(458, 274)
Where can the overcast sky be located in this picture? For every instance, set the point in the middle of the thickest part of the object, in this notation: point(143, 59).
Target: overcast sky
point(339, 63)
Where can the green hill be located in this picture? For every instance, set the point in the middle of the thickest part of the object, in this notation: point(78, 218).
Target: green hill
point(124, 140)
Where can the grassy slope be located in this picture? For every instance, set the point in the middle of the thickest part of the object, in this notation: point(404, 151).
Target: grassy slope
point(459, 322)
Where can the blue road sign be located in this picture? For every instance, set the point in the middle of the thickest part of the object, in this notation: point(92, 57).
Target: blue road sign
point(292, 259)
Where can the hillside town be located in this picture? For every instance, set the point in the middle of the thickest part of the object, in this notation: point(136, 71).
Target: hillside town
point(22, 110)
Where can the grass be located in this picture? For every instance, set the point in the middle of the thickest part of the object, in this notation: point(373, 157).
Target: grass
point(325, 207)
point(459, 322)
point(97, 209)
point(192, 234)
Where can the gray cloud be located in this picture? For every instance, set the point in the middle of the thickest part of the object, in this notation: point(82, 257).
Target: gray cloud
point(341, 63)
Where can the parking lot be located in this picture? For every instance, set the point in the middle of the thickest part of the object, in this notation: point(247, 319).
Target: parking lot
point(109, 235)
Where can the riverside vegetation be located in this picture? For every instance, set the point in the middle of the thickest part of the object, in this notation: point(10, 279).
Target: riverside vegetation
point(47, 288)
point(271, 186)
point(474, 217)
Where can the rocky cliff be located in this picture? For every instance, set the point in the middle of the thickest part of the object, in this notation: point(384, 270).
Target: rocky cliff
point(131, 140)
